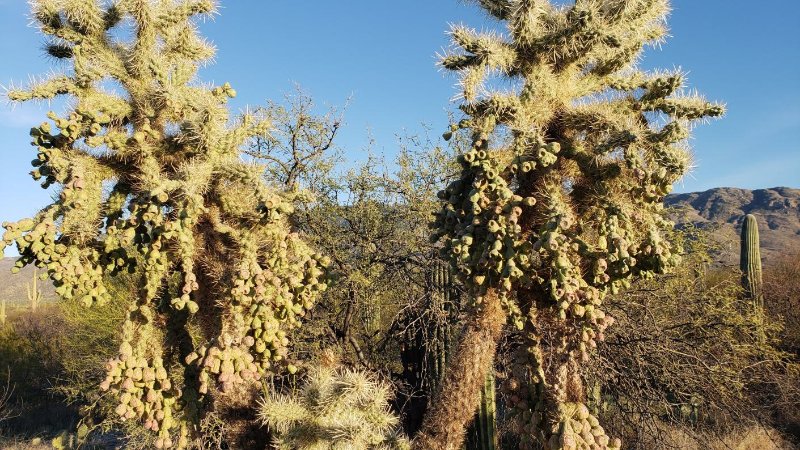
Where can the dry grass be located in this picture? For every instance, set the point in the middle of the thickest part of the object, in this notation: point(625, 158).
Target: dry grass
point(35, 444)
point(755, 438)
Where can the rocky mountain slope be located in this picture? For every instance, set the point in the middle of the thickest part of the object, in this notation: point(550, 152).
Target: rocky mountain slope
point(777, 211)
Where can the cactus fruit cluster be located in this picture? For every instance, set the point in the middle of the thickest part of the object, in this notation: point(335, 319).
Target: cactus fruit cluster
point(335, 408)
point(560, 197)
point(149, 181)
point(750, 260)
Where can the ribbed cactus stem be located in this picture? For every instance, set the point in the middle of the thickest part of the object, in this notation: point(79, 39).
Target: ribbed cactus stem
point(3, 315)
point(34, 294)
point(750, 260)
point(441, 287)
point(484, 436)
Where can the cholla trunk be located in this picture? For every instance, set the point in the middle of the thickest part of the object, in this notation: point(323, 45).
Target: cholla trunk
point(236, 408)
point(453, 407)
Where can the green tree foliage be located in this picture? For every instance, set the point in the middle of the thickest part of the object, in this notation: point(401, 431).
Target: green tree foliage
point(150, 181)
point(559, 200)
point(372, 221)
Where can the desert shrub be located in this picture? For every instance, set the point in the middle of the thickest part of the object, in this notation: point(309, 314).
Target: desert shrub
point(782, 304)
point(693, 352)
point(782, 296)
point(31, 351)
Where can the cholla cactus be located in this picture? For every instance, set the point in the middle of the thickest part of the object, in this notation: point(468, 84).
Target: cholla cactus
point(560, 197)
point(150, 181)
point(336, 408)
point(33, 292)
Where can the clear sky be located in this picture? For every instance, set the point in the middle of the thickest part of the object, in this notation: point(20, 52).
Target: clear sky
point(382, 54)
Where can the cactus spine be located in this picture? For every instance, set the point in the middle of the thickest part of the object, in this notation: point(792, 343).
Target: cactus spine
point(750, 260)
point(335, 407)
point(34, 294)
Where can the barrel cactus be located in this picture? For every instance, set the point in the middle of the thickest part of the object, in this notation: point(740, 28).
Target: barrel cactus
point(149, 181)
point(559, 200)
point(750, 260)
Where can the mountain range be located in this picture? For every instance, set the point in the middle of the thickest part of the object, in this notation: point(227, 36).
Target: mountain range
point(777, 211)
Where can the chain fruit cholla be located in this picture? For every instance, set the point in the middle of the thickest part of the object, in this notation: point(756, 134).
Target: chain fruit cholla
point(559, 200)
point(335, 408)
point(150, 181)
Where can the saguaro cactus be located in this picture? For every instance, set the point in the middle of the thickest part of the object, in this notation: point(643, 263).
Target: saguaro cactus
point(559, 200)
point(750, 260)
point(3, 314)
point(443, 300)
point(438, 343)
point(151, 182)
point(483, 432)
point(33, 292)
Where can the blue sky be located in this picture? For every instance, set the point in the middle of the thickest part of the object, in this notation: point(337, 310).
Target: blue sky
point(383, 58)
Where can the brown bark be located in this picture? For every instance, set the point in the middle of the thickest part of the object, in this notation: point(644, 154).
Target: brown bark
point(453, 407)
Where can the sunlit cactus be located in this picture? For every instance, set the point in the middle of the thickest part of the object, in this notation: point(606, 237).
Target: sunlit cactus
point(3, 314)
point(150, 181)
point(750, 260)
point(559, 200)
point(336, 408)
point(33, 293)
